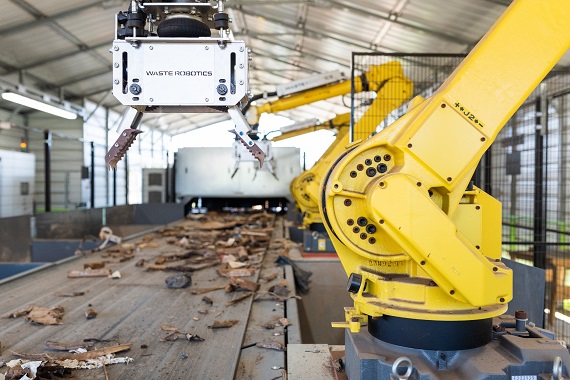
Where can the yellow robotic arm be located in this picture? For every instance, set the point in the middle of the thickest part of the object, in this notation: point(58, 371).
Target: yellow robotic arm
point(420, 250)
point(368, 81)
point(392, 90)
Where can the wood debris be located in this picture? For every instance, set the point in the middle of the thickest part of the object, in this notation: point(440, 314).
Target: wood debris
point(41, 315)
point(271, 345)
point(223, 324)
point(239, 299)
point(59, 346)
point(90, 313)
point(46, 315)
point(226, 271)
point(237, 283)
point(168, 328)
point(69, 294)
point(89, 273)
point(95, 265)
point(270, 277)
point(76, 356)
point(207, 290)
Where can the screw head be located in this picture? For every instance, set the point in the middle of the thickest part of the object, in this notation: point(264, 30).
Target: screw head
point(207, 100)
point(116, 65)
point(116, 81)
point(151, 99)
point(207, 47)
point(241, 48)
point(240, 82)
point(116, 48)
point(150, 48)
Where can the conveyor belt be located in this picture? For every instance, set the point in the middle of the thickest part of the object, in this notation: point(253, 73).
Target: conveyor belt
point(132, 309)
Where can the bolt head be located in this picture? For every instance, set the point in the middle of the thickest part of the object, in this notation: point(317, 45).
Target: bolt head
point(240, 82)
point(150, 48)
point(116, 65)
point(207, 100)
point(116, 81)
point(241, 48)
point(207, 48)
point(116, 48)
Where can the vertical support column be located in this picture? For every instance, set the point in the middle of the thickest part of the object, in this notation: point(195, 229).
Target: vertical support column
point(167, 180)
point(173, 181)
point(47, 169)
point(126, 159)
point(114, 187)
point(92, 179)
point(539, 228)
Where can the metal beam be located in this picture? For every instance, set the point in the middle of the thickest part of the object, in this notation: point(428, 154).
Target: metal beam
point(45, 61)
point(41, 21)
point(368, 12)
point(314, 33)
point(86, 76)
point(38, 15)
point(313, 56)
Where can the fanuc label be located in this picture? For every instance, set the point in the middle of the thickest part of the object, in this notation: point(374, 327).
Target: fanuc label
point(179, 73)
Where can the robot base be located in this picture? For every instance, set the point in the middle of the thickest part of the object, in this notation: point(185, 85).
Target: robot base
point(530, 355)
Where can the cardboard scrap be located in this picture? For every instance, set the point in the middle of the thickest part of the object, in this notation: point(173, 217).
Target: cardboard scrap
point(226, 271)
point(41, 315)
point(271, 345)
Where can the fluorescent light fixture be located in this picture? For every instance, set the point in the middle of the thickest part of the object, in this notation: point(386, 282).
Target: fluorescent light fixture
point(40, 106)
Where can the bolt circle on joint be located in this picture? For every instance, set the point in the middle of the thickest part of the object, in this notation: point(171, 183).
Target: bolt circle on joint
point(368, 162)
point(377, 158)
point(371, 228)
point(353, 174)
point(350, 222)
point(356, 229)
point(359, 167)
point(362, 221)
point(347, 202)
point(372, 240)
point(371, 172)
point(363, 236)
point(382, 168)
point(387, 157)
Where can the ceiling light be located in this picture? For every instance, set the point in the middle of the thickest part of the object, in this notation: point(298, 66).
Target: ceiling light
point(38, 105)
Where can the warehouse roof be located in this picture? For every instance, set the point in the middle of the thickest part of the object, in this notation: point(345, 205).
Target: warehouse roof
point(62, 46)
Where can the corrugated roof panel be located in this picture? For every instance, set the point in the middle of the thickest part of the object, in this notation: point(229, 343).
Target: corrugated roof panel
point(64, 70)
point(90, 26)
point(13, 15)
point(467, 20)
point(28, 45)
